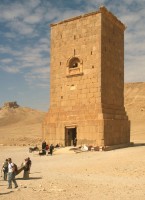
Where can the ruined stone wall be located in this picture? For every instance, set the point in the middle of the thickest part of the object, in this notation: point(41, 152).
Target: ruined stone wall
point(77, 38)
point(11, 104)
point(112, 62)
point(75, 95)
point(87, 80)
point(116, 124)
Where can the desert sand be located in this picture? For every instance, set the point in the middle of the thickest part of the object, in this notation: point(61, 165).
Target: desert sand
point(116, 174)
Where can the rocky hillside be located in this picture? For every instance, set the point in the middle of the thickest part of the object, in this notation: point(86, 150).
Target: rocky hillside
point(134, 94)
point(20, 125)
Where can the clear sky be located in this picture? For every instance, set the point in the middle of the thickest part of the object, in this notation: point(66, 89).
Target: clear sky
point(25, 44)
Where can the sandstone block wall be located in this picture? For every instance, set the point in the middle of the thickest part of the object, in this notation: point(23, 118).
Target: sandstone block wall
point(87, 81)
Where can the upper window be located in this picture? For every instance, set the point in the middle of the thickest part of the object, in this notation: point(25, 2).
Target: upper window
point(74, 66)
point(74, 62)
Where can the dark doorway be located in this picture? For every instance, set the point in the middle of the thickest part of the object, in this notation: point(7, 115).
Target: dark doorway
point(70, 136)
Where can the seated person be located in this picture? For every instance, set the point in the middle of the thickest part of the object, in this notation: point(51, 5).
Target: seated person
point(57, 146)
point(43, 152)
point(31, 149)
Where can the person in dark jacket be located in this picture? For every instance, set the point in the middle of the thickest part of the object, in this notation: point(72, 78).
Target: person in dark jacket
point(51, 149)
point(27, 165)
point(44, 147)
point(75, 142)
point(5, 169)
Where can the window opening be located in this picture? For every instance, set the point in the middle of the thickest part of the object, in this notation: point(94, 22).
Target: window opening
point(74, 62)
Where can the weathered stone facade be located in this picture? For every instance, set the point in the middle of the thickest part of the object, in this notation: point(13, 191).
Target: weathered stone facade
point(87, 82)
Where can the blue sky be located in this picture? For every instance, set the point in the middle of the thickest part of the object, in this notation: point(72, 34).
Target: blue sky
point(25, 44)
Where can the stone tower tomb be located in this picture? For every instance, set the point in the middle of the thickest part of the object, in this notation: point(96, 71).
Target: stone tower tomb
point(87, 82)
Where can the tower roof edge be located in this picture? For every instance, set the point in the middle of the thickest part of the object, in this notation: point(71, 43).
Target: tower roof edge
point(102, 10)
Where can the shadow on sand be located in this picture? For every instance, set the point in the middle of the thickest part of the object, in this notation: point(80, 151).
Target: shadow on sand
point(4, 193)
point(138, 144)
point(31, 178)
point(35, 173)
point(2, 185)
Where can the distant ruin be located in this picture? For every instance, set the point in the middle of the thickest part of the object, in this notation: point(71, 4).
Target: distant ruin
point(87, 82)
point(11, 104)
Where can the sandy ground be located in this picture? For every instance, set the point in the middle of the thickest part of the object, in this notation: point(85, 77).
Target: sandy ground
point(117, 174)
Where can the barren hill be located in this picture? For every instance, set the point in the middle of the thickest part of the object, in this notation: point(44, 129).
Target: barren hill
point(135, 106)
point(20, 125)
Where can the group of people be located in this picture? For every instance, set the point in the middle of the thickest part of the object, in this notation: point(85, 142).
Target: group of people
point(10, 170)
point(46, 147)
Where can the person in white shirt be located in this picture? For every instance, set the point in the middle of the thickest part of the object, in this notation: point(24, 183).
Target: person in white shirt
point(11, 174)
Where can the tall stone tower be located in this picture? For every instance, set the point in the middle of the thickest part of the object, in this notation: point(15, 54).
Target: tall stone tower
point(87, 82)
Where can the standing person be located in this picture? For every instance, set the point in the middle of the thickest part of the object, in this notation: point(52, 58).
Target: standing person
point(11, 174)
point(5, 169)
point(44, 147)
point(27, 166)
point(51, 149)
point(75, 142)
